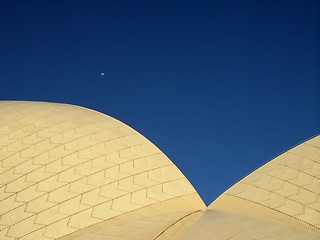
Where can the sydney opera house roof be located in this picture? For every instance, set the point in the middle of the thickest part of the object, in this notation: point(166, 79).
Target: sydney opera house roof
point(71, 173)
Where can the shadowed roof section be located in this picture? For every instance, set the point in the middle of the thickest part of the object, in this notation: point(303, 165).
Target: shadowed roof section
point(71, 173)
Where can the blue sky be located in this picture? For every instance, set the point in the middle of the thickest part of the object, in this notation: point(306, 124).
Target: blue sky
point(221, 87)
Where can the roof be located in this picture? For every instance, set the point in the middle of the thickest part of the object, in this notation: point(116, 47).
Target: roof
point(72, 173)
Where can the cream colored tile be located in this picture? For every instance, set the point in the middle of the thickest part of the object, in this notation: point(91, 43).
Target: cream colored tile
point(83, 219)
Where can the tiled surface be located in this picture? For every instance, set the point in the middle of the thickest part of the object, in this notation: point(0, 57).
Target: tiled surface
point(71, 173)
point(146, 223)
point(64, 168)
point(217, 225)
point(289, 184)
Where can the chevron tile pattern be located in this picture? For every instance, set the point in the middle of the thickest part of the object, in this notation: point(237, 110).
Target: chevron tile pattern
point(71, 173)
point(64, 168)
point(289, 184)
point(146, 223)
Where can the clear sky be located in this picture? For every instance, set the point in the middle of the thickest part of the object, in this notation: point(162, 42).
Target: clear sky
point(220, 87)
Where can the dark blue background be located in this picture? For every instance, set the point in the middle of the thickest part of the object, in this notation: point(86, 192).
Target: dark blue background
point(220, 86)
